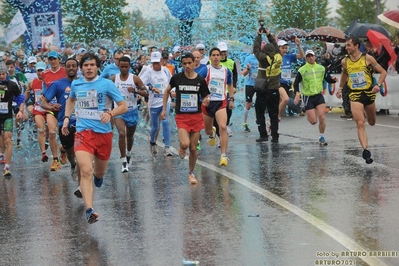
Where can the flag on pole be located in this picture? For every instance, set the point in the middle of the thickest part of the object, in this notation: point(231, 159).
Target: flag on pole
point(16, 28)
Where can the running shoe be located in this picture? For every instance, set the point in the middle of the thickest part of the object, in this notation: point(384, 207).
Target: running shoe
point(7, 172)
point(98, 181)
point(182, 153)
point(91, 216)
point(2, 158)
point(229, 131)
point(63, 156)
point(246, 128)
point(322, 141)
point(125, 167)
point(55, 166)
point(168, 152)
point(199, 145)
point(367, 156)
point(347, 116)
point(192, 179)
point(19, 145)
point(223, 160)
point(128, 159)
point(154, 149)
point(44, 157)
point(212, 138)
point(262, 139)
point(74, 173)
point(78, 193)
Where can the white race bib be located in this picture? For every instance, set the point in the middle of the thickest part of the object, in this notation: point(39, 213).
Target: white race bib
point(358, 79)
point(3, 108)
point(188, 103)
point(216, 87)
point(130, 102)
point(87, 100)
point(39, 108)
point(286, 74)
point(38, 94)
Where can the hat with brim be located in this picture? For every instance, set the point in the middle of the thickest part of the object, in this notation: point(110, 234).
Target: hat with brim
point(156, 57)
point(53, 54)
point(281, 43)
point(32, 59)
point(41, 66)
point(308, 52)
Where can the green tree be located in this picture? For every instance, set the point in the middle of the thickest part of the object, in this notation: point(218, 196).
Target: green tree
point(236, 18)
point(356, 10)
point(303, 14)
point(7, 12)
point(135, 27)
point(163, 32)
point(89, 20)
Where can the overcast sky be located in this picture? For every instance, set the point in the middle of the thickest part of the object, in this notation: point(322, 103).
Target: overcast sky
point(155, 8)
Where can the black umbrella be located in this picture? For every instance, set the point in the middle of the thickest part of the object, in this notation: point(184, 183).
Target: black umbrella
point(360, 29)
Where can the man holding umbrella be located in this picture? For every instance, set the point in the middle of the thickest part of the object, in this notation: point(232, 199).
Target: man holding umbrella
point(357, 70)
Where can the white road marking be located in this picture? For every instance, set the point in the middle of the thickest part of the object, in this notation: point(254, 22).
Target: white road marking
point(340, 237)
point(334, 233)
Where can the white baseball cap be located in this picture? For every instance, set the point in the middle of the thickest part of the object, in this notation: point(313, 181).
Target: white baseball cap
point(156, 57)
point(176, 49)
point(309, 52)
point(281, 43)
point(222, 46)
point(200, 46)
point(32, 59)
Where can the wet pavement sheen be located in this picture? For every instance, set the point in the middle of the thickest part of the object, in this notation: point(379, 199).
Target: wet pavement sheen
point(291, 203)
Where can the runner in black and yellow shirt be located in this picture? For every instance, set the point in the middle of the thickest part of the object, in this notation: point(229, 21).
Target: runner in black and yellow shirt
point(357, 70)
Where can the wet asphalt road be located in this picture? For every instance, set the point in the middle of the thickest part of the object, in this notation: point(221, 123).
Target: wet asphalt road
point(312, 203)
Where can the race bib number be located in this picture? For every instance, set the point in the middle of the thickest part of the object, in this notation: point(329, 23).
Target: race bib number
point(38, 95)
point(87, 100)
point(39, 108)
point(286, 74)
point(130, 102)
point(159, 87)
point(88, 114)
point(3, 108)
point(358, 79)
point(189, 103)
point(216, 87)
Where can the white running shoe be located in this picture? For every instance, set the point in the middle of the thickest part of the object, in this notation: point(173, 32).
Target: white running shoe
point(168, 152)
point(125, 167)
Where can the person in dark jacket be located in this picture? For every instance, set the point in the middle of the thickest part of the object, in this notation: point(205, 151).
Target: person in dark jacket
point(270, 96)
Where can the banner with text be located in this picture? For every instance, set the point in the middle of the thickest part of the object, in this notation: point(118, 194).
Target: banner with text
point(43, 21)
